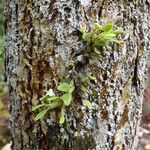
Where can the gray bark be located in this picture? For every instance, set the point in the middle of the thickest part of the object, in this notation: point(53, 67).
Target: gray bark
point(41, 38)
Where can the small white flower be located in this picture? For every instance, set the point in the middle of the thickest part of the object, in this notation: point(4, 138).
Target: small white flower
point(50, 92)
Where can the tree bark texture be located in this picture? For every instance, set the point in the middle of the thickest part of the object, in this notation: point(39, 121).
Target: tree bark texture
point(41, 38)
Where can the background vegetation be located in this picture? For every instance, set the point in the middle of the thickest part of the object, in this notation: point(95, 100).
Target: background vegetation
point(4, 131)
point(1, 32)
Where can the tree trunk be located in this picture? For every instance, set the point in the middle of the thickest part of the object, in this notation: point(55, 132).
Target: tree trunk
point(41, 38)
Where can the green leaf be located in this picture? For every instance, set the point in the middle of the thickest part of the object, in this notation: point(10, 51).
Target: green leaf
point(52, 98)
point(115, 40)
point(71, 89)
point(97, 27)
point(108, 27)
point(55, 104)
point(41, 114)
point(62, 119)
point(103, 38)
point(100, 42)
point(106, 35)
point(65, 87)
point(38, 106)
point(88, 104)
point(97, 51)
point(87, 37)
point(118, 32)
point(83, 88)
point(71, 83)
point(85, 79)
point(67, 98)
point(82, 30)
point(91, 77)
point(45, 97)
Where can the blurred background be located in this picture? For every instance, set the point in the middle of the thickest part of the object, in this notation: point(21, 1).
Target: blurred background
point(144, 133)
point(4, 131)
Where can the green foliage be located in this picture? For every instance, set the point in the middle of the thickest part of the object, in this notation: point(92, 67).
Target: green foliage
point(88, 104)
point(41, 114)
point(38, 106)
point(95, 40)
point(62, 119)
point(100, 36)
point(62, 100)
point(67, 98)
point(65, 87)
point(62, 115)
point(87, 78)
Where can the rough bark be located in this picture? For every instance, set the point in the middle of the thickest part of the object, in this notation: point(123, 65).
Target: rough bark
point(41, 38)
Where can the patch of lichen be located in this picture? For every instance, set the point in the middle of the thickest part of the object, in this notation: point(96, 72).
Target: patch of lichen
point(83, 143)
point(68, 140)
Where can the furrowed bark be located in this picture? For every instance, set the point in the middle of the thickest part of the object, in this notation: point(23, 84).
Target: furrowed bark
point(41, 38)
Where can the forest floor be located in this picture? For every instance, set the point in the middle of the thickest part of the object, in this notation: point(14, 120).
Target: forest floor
point(144, 134)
